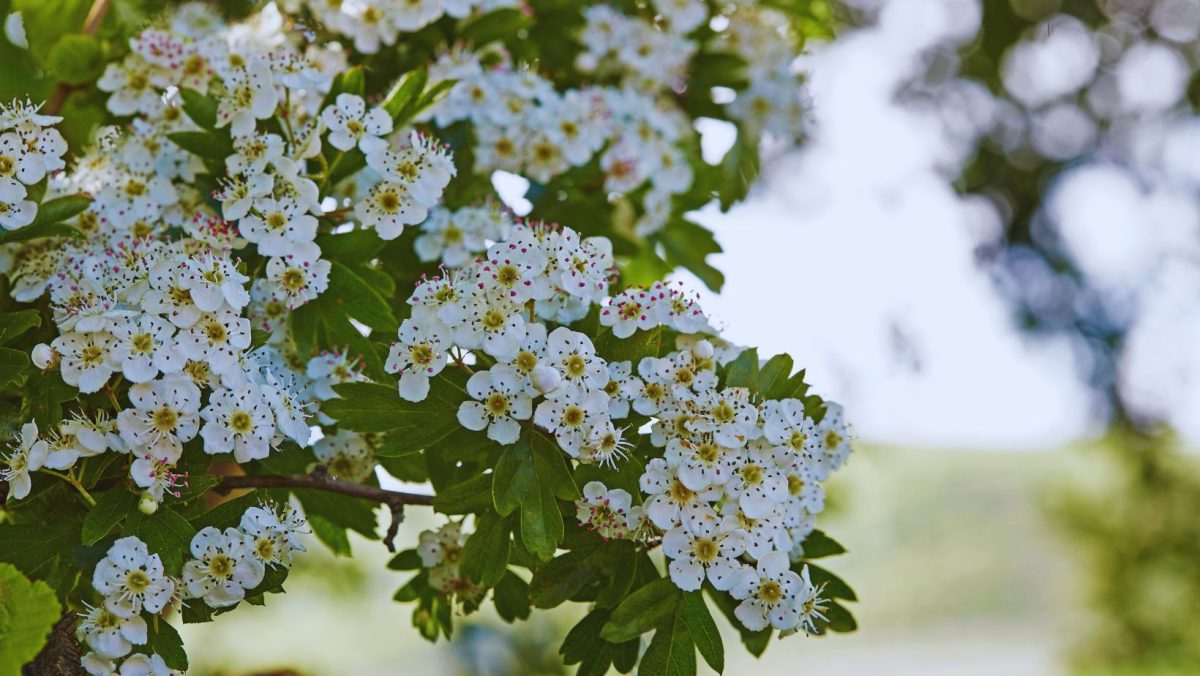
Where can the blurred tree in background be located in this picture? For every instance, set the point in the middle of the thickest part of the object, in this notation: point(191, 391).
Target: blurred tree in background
point(1053, 88)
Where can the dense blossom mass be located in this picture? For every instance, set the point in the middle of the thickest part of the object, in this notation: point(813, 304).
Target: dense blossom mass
point(217, 265)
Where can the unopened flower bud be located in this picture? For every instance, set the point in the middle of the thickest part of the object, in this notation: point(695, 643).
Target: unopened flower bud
point(703, 349)
point(44, 356)
point(545, 378)
point(147, 505)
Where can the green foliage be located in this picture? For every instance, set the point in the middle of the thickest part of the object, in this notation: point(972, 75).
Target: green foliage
point(532, 475)
point(28, 611)
point(75, 59)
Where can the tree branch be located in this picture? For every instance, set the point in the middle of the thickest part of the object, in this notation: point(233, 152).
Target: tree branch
point(90, 25)
point(395, 500)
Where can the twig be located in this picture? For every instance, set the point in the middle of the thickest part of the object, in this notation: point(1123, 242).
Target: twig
point(395, 500)
point(91, 24)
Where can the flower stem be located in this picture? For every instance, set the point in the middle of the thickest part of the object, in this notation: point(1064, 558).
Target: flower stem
point(69, 478)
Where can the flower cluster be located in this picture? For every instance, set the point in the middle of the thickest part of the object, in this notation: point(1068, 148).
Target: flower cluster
point(739, 479)
point(30, 149)
point(133, 583)
point(225, 564)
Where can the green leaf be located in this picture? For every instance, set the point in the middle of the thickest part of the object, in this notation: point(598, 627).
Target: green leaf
point(13, 324)
point(28, 611)
point(743, 371)
point(60, 209)
point(38, 231)
point(840, 618)
point(755, 641)
point(672, 651)
point(200, 108)
point(485, 556)
point(13, 364)
point(584, 639)
point(497, 25)
point(359, 299)
point(634, 348)
point(44, 396)
point(370, 407)
point(467, 497)
point(688, 244)
point(834, 586)
point(164, 640)
point(532, 474)
point(33, 548)
point(641, 611)
point(356, 246)
point(405, 560)
point(228, 514)
point(165, 533)
point(773, 374)
point(818, 545)
point(332, 535)
point(111, 508)
point(431, 97)
point(562, 577)
point(703, 630)
point(511, 596)
point(405, 93)
point(209, 145)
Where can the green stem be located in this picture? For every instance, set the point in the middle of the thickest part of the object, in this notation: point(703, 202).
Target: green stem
point(87, 497)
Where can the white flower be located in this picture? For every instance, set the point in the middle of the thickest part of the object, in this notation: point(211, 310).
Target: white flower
point(14, 30)
point(332, 368)
point(441, 553)
point(705, 547)
point(604, 510)
point(223, 567)
point(729, 415)
point(571, 417)
point(132, 579)
point(88, 359)
point(18, 162)
point(134, 84)
point(109, 634)
point(810, 606)
point(418, 356)
point(15, 211)
point(670, 501)
point(501, 402)
point(834, 442)
point(156, 476)
point(439, 298)
point(572, 354)
point(213, 281)
point(291, 416)
point(757, 485)
point(421, 165)
point(138, 664)
point(786, 424)
point(517, 267)
point(218, 339)
point(583, 266)
point(145, 348)
point(298, 278)
point(350, 124)
point(388, 207)
point(249, 96)
point(238, 421)
point(274, 540)
point(493, 322)
point(164, 414)
point(702, 461)
point(27, 455)
point(629, 311)
point(280, 227)
point(622, 388)
point(346, 454)
point(768, 593)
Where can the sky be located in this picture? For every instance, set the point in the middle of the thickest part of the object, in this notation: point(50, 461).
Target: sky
point(854, 255)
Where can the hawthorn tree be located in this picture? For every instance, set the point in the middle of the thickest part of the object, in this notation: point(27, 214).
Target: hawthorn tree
point(255, 263)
